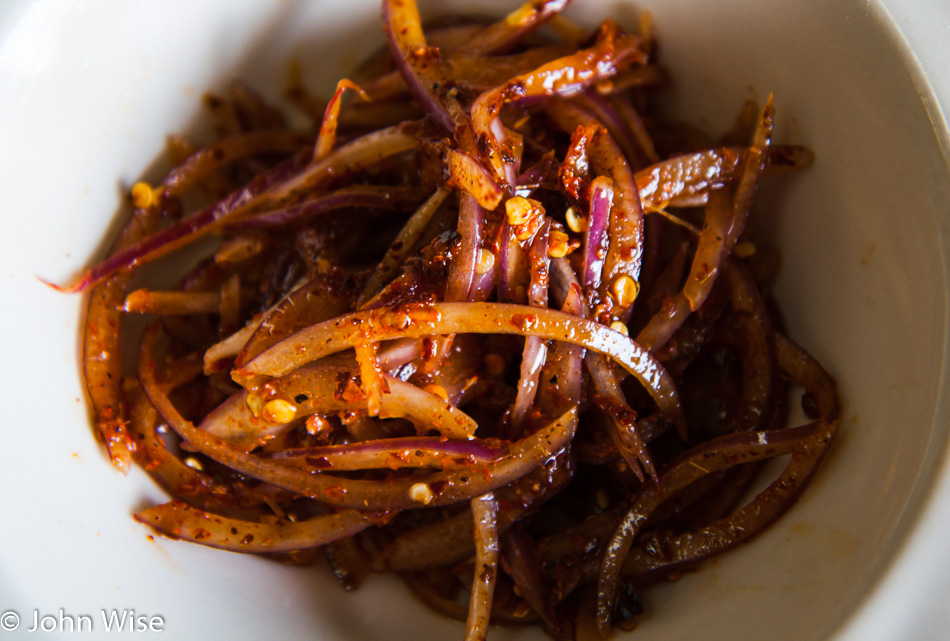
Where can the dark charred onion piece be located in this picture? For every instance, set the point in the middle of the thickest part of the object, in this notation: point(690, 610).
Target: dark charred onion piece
point(403, 244)
point(325, 296)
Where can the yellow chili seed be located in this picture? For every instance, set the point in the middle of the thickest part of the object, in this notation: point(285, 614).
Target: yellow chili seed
point(143, 196)
point(520, 209)
point(279, 411)
point(254, 403)
point(625, 290)
point(421, 493)
point(575, 223)
point(558, 244)
point(486, 260)
point(618, 326)
point(744, 249)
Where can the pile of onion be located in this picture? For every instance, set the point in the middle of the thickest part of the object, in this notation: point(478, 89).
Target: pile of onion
point(491, 324)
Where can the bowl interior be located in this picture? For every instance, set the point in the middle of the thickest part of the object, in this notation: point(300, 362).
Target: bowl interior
point(95, 90)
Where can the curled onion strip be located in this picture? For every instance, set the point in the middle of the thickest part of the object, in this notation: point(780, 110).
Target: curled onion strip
point(411, 321)
point(314, 390)
point(447, 487)
point(327, 137)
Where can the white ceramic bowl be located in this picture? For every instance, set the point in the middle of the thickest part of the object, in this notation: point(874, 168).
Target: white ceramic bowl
point(91, 88)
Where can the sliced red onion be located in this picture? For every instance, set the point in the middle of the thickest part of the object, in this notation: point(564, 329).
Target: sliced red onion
point(464, 262)
point(563, 77)
point(471, 176)
point(485, 514)
point(535, 348)
point(327, 137)
point(542, 174)
point(177, 520)
point(595, 238)
point(625, 250)
point(444, 487)
point(605, 113)
point(191, 228)
point(418, 63)
point(350, 158)
point(403, 244)
point(509, 262)
point(314, 390)
point(512, 29)
point(725, 220)
point(368, 196)
point(682, 178)
point(408, 321)
point(626, 435)
point(372, 383)
point(482, 286)
point(421, 451)
point(322, 297)
point(449, 540)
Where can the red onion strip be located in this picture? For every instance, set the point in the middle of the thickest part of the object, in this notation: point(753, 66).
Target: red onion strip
point(595, 245)
point(485, 513)
point(417, 61)
point(327, 137)
point(468, 174)
point(446, 487)
point(188, 229)
point(421, 451)
point(180, 521)
point(316, 387)
point(535, 348)
point(449, 540)
point(368, 196)
point(452, 318)
point(502, 35)
point(321, 298)
point(563, 77)
point(373, 384)
point(465, 261)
